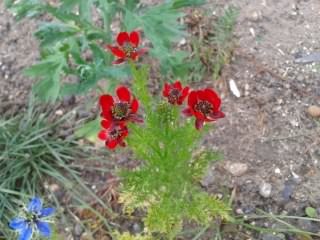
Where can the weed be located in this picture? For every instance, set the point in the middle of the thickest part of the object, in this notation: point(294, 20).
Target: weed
point(214, 50)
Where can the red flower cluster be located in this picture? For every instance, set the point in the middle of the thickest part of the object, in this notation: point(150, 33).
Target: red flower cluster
point(116, 112)
point(203, 104)
point(127, 47)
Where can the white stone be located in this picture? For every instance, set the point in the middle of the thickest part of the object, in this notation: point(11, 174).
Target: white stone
point(265, 189)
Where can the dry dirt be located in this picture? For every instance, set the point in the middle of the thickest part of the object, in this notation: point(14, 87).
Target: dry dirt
point(266, 129)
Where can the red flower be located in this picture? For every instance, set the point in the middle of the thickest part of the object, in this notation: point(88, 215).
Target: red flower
point(113, 135)
point(175, 93)
point(204, 105)
point(121, 109)
point(127, 47)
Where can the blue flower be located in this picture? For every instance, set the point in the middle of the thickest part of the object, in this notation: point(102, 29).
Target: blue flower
point(34, 220)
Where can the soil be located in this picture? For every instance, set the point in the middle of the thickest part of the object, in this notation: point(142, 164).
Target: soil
point(18, 49)
point(267, 129)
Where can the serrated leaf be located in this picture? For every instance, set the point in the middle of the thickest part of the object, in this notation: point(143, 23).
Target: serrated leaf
point(99, 54)
point(48, 71)
point(46, 67)
point(89, 130)
point(50, 33)
point(94, 34)
point(69, 5)
point(90, 74)
point(48, 88)
point(85, 9)
point(311, 212)
point(25, 8)
point(116, 72)
point(131, 4)
point(109, 10)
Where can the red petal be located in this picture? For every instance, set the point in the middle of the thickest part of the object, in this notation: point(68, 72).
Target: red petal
point(216, 115)
point(134, 106)
point(107, 115)
point(187, 112)
point(202, 95)
point(199, 115)
point(213, 97)
point(134, 56)
point(119, 61)
point(106, 102)
point(177, 85)
point(199, 124)
point(106, 123)
point(134, 38)
point(193, 98)
point(122, 38)
point(185, 92)
point(125, 133)
point(112, 144)
point(117, 51)
point(166, 90)
point(123, 94)
point(103, 135)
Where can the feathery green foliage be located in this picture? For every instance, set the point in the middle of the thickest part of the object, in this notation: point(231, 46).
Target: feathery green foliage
point(128, 236)
point(166, 183)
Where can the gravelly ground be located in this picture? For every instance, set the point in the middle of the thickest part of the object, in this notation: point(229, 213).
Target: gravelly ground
point(267, 132)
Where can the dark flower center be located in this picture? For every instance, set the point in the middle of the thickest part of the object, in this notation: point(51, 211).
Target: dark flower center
point(32, 218)
point(128, 49)
point(120, 110)
point(204, 107)
point(174, 95)
point(115, 133)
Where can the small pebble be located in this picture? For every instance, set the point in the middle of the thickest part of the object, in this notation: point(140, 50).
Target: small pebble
point(234, 88)
point(59, 112)
point(137, 228)
point(239, 211)
point(287, 190)
point(314, 111)
point(300, 77)
point(236, 169)
point(270, 236)
point(265, 189)
point(208, 179)
point(253, 32)
point(54, 187)
point(277, 171)
point(256, 16)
